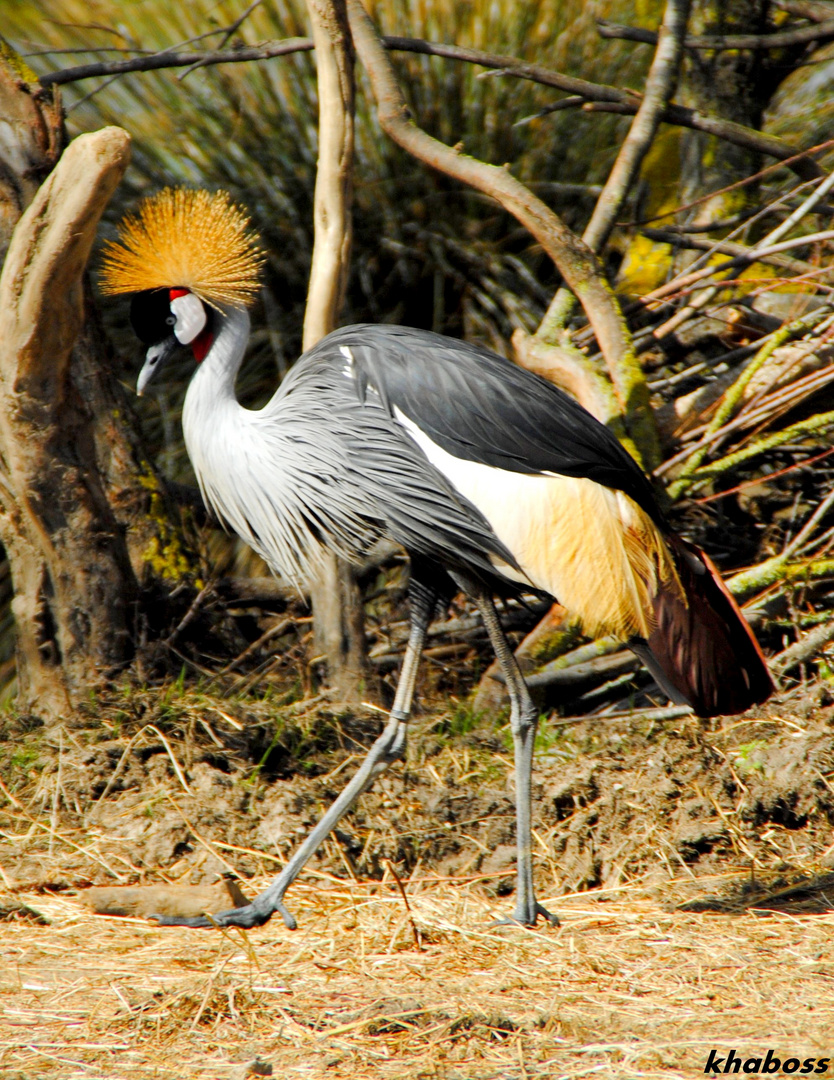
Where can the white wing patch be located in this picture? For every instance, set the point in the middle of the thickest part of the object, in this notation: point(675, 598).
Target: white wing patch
point(348, 370)
point(591, 547)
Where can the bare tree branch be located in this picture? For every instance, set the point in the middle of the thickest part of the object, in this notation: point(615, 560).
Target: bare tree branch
point(769, 244)
point(727, 247)
point(804, 167)
point(573, 371)
point(686, 281)
point(333, 194)
point(806, 9)
point(660, 86)
point(620, 100)
point(617, 100)
point(813, 643)
point(801, 35)
point(576, 263)
point(227, 35)
point(159, 61)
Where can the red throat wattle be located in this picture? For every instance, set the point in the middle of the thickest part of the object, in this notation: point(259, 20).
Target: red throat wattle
point(201, 345)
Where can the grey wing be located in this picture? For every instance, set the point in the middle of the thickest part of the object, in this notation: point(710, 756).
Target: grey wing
point(480, 407)
point(379, 474)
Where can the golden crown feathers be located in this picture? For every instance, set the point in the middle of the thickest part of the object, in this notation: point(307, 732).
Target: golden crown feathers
point(187, 239)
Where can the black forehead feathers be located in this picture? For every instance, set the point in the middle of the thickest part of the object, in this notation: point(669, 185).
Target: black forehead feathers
point(149, 311)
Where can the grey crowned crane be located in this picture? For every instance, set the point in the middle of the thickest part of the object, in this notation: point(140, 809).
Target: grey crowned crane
point(491, 479)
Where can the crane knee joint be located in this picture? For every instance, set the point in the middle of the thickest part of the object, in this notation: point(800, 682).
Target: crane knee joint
point(524, 720)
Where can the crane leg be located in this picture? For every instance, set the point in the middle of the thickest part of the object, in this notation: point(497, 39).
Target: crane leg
point(524, 720)
point(388, 747)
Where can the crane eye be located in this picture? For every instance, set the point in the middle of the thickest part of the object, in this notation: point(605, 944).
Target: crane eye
point(189, 317)
point(171, 320)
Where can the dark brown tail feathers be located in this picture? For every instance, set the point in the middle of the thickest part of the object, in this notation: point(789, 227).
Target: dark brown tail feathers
point(704, 650)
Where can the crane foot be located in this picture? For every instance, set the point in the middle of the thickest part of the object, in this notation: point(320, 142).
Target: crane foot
point(528, 916)
point(246, 917)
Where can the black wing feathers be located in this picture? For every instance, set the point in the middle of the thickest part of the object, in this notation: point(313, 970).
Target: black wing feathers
point(482, 407)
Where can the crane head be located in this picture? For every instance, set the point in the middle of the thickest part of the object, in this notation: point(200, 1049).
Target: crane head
point(164, 320)
point(184, 255)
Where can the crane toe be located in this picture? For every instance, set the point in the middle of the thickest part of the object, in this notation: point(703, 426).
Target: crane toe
point(245, 917)
point(528, 915)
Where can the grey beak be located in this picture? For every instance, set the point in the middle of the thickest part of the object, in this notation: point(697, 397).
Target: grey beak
point(156, 358)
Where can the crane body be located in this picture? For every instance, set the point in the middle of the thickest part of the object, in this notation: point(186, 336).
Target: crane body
point(491, 479)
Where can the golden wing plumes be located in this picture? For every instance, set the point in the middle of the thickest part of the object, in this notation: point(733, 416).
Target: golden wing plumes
point(187, 239)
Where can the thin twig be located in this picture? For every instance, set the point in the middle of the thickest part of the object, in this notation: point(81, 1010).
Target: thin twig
point(768, 476)
point(756, 253)
point(418, 940)
point(809, 646)
point(726, 247)
point(191, 614)
point(169, 59)
point(227, 34)
point(207, 844)
point(745, 182)
point(659, 88)
point(273, 631)
point(769, 241)
point(56, 792)
point(670, 712)
point(782, 39)
point(89, 49)
point(733, 396)
point(814, 424)
point(801, 211)
point(9, 795)
point(174, 762)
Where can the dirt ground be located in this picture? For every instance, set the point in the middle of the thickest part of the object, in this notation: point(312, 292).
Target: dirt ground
point(691, 864)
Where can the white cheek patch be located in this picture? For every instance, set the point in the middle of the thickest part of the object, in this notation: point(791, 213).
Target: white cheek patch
point(190, 315)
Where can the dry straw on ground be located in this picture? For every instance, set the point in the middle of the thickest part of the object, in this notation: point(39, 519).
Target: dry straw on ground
point(388, 979)
point(627, 987)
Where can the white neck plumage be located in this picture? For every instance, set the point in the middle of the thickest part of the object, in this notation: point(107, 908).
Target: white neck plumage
point(211, 415)
point(216, 375)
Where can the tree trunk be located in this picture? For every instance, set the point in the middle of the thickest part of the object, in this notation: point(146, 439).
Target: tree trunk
point(339, 629)
point(33, 138)
point(74, 586)
point(85, 516)
point(337, 603)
